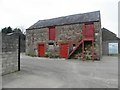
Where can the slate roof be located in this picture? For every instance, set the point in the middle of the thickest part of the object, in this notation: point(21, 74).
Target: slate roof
point(108, 35)
point(65, 20)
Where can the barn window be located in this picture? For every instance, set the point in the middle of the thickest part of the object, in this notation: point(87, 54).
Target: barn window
point(74, 46)
point(52, 33)
point(113, 48)
point(51, 46)
point(50, 43)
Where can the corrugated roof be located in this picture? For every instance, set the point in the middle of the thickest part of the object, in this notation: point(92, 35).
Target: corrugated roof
point(71, 19)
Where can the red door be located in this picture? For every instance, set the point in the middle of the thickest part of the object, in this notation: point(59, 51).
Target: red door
point(64, 50)
point(52, 33)
point(88, 30)
point(41, 50)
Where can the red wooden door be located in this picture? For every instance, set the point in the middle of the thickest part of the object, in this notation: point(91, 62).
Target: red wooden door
point(88, 30)
point(64, 50)
point(52, 33)
point(41, 50)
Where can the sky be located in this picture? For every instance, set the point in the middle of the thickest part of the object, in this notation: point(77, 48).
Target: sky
point(24, 13)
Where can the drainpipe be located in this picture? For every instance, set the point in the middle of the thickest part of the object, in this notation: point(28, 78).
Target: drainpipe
point(19, 53)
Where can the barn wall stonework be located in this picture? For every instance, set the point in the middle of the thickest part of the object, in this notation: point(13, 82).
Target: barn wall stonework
point(64, 34)
point(98, 39)
point(68, 32)
point(33, 37)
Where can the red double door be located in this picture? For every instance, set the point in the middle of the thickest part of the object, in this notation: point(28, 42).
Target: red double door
point(64, 48)
point(41, 50)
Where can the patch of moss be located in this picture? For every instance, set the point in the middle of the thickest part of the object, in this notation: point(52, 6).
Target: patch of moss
point(32, 55)
point(51, 55)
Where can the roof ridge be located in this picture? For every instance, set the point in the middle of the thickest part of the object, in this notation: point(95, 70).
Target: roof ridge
point(68, 15)
point(70, 19)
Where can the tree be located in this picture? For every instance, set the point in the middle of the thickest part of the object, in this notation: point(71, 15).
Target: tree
point(17, 30)
point(7, 30)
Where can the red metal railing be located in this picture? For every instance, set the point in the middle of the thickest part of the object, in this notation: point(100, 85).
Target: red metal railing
point(88, 35)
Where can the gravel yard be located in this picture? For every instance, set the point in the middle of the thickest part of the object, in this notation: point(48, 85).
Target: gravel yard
point(60, 73)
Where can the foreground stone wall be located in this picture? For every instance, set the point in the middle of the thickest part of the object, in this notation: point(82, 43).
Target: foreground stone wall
point(9, 54)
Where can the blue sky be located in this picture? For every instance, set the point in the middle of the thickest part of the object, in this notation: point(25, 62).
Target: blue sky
point(24, 13)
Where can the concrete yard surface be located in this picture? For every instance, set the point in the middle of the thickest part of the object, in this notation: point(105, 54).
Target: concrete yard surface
point(60, 73)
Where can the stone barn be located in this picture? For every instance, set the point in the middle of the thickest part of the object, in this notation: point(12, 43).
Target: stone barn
point(75, 36)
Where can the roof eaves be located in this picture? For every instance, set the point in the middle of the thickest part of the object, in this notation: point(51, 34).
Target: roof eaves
point(60, 25)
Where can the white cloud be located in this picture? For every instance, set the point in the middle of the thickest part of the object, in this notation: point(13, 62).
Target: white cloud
point(18, 13)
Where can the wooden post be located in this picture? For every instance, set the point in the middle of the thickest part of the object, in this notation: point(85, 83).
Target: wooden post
point(19, 53)
point(83, 50)
point(93, 50)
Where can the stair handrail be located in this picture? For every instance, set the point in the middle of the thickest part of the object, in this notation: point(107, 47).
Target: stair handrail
point(79, 39)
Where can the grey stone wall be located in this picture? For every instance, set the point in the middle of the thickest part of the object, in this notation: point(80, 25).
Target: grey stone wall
point(9, 54)
point(33, 37)
point(98, 39)
point(66, 33)
point(105, 46)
